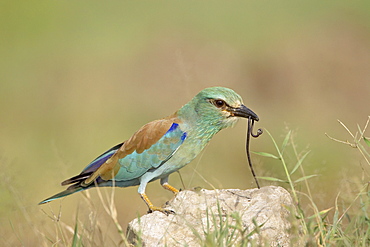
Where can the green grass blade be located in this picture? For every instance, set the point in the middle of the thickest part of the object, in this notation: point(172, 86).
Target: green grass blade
point(299, 163)
point(76, 242)
point(322, 212)
point(290, 182)
point(273, 179)
point(268, 155)
point(285, 142)
point(367, 141)
point(304, 178)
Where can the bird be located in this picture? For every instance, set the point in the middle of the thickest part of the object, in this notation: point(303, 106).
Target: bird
point(162, 146)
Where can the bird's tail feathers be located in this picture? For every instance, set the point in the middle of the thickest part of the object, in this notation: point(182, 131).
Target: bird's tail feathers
point(77, 179)
point(72, 189)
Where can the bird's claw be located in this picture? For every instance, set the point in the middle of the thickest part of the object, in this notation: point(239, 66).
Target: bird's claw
point(163, 210)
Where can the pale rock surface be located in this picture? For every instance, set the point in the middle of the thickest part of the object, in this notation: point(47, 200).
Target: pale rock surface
point(198, 213)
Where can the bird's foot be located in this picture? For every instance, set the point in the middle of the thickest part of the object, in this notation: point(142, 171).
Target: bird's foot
point(153, 208)
point(163, 210)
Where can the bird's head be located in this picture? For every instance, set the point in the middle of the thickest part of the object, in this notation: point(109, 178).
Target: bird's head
point(218, 106)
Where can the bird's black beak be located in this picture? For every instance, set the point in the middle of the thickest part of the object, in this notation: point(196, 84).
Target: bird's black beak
point(244, 112)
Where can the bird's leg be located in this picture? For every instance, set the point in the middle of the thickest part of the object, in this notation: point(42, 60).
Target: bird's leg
point(170, 188)
point(152, 208)
point(167, 186)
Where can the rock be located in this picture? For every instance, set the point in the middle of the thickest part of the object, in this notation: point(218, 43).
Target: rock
point(217, 218)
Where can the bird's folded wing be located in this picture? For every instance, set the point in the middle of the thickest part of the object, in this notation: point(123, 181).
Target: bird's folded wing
point(93, 166)
point(148, 148)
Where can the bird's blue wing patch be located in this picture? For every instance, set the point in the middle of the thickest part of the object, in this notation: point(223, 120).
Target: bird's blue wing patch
point(134, 165)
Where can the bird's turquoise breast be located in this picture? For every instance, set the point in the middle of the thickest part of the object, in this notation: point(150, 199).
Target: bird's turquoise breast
point(190, 148)
point(136, 164)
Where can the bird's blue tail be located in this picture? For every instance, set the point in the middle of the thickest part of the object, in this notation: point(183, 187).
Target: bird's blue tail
point(64, 193)
point(76, 181)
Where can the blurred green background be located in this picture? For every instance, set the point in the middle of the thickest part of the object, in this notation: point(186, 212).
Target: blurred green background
point(77, 77)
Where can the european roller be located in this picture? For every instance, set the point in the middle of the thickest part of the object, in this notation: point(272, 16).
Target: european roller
point(163, 146)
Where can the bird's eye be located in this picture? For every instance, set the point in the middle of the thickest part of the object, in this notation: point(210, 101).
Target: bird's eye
point(219, 103)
